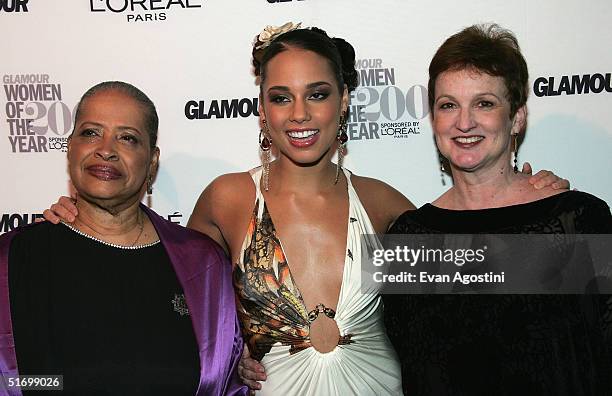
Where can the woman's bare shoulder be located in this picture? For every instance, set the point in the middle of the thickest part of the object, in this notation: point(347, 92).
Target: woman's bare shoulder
point(376, 189)
point(225, 196)
point(231, 186)
point(380, 199)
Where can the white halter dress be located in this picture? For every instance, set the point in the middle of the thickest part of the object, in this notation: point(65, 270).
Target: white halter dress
point(275, 320)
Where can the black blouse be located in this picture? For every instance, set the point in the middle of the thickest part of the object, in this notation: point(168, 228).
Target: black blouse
point(110, 320)
point(505, 344)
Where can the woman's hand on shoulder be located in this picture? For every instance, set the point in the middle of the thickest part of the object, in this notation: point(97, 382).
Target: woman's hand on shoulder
point(545, 178)
point(383, 203)
point(63, 210)
point(218, 203)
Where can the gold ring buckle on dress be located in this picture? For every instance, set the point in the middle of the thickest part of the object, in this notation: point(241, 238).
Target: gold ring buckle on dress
point(320, 308)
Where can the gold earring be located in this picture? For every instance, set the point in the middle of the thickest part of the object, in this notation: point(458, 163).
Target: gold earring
point(265, 144)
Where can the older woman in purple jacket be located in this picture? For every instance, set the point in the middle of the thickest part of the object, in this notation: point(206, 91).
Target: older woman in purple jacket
point(121, 300)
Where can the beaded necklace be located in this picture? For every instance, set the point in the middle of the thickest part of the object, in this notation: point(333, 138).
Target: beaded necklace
point(112, 244)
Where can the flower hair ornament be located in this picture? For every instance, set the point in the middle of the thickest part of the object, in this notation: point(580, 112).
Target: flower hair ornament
point(265, 38)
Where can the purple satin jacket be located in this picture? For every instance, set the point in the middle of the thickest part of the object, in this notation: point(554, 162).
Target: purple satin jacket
point(206, 277)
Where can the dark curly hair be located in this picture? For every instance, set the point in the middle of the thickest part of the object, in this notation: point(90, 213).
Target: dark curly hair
point(338, 52)
point(488, 49)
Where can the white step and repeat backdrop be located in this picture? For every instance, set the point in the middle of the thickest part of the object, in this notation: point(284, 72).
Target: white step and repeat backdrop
point(192, 57)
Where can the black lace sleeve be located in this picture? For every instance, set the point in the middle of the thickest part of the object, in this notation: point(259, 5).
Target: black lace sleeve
point(593, 216)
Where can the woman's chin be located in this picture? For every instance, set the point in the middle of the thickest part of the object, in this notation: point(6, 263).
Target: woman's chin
point(307, 157)
point(466, 165)
point(100, 193)
point(110, 199)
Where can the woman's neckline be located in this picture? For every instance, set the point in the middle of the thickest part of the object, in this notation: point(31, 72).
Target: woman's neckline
point(519, 205)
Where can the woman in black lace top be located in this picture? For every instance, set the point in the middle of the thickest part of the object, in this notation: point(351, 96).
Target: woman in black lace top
point(496, 344)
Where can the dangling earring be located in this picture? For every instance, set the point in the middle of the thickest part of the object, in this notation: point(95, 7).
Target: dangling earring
point(441, 159)
point(265, 144)
point(149, 185)
point(515, 152)
point(342, 138)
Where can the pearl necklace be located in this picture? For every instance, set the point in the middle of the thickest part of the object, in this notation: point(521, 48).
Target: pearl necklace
point(146, 245)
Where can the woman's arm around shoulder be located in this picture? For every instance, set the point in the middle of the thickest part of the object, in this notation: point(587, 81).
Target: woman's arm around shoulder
point(383, 203)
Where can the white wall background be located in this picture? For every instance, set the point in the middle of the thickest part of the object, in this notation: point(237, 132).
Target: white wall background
point(203, 53)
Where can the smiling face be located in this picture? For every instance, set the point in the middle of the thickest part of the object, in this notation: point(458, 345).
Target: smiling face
point(302, 105)
point(471, 120)
point(109, 154)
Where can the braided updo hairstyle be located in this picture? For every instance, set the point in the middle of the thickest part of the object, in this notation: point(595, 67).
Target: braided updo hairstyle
point(338, 52)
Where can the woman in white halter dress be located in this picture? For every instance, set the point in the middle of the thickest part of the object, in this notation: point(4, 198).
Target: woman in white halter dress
point(276, 323)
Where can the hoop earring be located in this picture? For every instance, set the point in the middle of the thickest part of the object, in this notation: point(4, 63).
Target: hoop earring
point(342, 138)
point(149, 185)
point(515, 153)
point(265, 144)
